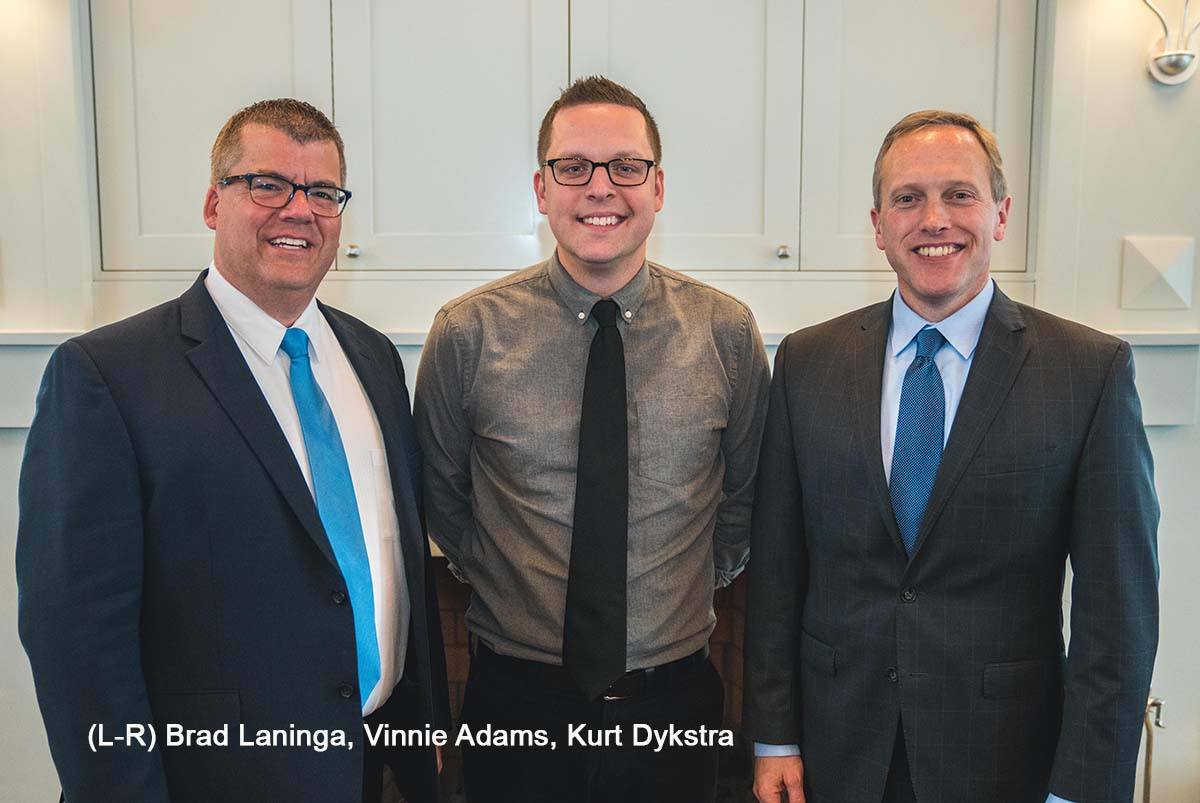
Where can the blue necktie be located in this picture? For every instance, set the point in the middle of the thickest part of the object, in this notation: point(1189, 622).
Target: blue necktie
point(920, 433)
point(336, 503)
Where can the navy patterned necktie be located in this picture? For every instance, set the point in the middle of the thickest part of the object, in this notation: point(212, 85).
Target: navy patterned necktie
point(920, 434)
point(594, 625)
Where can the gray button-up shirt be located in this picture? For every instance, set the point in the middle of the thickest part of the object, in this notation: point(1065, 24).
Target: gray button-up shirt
point(497, 409)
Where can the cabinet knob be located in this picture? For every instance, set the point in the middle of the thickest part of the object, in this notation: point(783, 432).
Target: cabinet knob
point(352, 250)
point(783, 252)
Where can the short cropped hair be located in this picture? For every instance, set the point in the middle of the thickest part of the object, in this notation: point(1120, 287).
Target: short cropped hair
point(597, 89)
point(930, 117)
point(301, 121)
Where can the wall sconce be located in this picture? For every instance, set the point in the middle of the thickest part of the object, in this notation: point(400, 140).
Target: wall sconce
point(1173, 65)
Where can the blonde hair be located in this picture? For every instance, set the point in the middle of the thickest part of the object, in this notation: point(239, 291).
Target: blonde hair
point(929, 117)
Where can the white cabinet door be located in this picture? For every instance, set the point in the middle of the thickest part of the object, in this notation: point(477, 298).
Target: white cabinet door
point(167, 75)
point(866, 65)
point(723, 81)
point(439, 104)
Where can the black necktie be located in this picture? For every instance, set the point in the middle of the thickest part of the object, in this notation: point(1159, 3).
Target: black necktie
point(594, 626)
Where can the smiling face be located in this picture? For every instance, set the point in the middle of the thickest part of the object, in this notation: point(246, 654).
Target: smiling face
point(276, 257)
point(937, 219)
point(601, 228)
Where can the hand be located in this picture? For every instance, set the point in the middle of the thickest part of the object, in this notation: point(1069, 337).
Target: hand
point(438, 750)
point(773, 775)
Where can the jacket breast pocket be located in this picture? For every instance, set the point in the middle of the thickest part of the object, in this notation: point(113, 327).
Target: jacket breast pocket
point(1013, 679)
point(678, 437)
point(1019, 454)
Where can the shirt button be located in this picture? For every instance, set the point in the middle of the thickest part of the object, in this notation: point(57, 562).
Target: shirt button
point(628, 314)
point(338, 598)
point(346, 690)
point(908, 595)
point(582, 315)
point(893, 675)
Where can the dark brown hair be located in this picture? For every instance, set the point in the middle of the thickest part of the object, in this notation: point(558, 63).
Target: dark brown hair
point(597, 89)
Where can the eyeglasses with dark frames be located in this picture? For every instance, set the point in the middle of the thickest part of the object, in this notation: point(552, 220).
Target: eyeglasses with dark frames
point(276, 192)
point(575, 172)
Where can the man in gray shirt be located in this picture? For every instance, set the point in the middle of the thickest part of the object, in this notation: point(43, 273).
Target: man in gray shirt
point(591, 429)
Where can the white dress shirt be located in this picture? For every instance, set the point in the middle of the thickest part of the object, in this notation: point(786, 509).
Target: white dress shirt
point(953, 360)
point(259, 337)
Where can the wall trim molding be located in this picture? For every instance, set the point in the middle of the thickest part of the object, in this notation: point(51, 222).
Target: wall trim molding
point(416, 337)
point(36, 337)
point(1168, 369)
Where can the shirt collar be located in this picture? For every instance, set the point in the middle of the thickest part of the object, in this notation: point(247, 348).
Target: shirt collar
point(259, 330)
point(961, 330)
point(579, 300)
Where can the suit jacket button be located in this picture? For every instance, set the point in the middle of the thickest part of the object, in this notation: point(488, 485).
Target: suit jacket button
point(893, 675)
point(338, 598)
point(346, 690)
point(908, 595)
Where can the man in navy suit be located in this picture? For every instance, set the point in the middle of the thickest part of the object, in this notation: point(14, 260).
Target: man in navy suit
point(220, 538)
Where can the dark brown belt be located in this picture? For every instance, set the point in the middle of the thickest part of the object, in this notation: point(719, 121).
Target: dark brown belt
point(636, 683)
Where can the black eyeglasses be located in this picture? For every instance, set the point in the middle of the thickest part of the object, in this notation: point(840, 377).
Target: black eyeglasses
point(575, 172)
point(276, 192)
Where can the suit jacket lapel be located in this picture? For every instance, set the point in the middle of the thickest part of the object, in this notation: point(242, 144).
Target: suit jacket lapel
point(1001, 352)
point(378, 381)
point(221, 366)
point(868, 346)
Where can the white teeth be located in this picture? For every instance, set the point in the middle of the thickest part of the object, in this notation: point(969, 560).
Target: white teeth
point(289, 242)
point(937, 251)
point(611, 220)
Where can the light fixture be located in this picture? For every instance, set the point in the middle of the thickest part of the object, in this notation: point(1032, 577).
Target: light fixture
point(1173, 65)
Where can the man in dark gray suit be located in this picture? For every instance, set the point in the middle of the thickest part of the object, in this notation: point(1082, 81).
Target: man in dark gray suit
point(930, 463)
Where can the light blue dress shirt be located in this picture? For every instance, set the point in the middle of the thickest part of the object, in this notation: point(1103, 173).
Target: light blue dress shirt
point(961, 330)
point(953, 361)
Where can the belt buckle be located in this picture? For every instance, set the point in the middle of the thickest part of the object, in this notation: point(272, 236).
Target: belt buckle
point(619, 688)
point(611, 694)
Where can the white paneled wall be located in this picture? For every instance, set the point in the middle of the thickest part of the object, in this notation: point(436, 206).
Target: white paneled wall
point(442, 169)
point(979, 59)
point(166, 76)
point(771, 111)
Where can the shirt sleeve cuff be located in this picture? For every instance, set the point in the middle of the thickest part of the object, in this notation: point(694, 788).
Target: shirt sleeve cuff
point(457, 572)
point(1053, 798)
point(725, 576)
point(775, 750)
